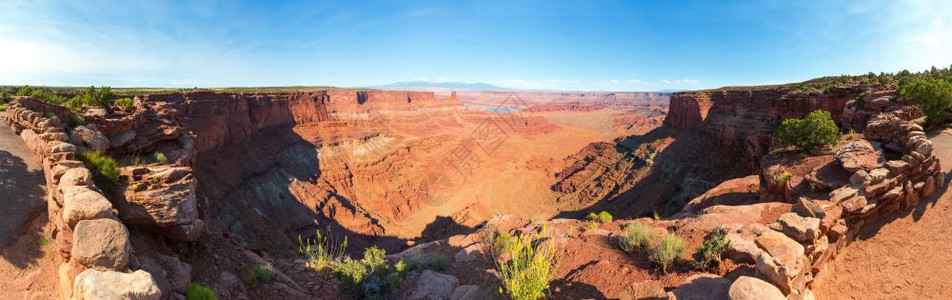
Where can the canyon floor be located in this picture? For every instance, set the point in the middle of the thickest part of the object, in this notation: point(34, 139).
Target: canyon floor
point(902, 256)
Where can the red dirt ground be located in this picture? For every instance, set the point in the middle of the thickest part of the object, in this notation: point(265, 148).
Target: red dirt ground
point(903, 256)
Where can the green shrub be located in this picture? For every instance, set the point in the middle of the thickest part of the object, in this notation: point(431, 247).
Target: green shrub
point(350, 275)
point(25, 90)
point(591, 226)
point(2, 108)
point(667, 251)
point(259, 273)
point(160, 157)
point(601, 217)
point(637, 236)
point(197, 291)
point(104, 168)
point(815, 131)
point(527, 273)
point(322, 252)
point(708, 255)
point(124, 102)
point(89, 97)
point(372, 277)
point(4, 97)
point(785, 177)
point(438, 261)
point(502, 244)
point(433, 261)
point(933, 96)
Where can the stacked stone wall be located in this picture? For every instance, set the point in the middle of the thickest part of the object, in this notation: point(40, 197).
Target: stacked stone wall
point(92, 242)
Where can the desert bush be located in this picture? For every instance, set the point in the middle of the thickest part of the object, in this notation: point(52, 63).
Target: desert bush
point(667, 251)
point(4, 97)
point(502, 244)
point(637, 236)
point(601, 217)
point(526, 274)
point(197, 291)
point(124, 102)
point(933, 96)
point(421, 261)
point(785, 177)
point(259, 273)
point(815, 131)
point(591, 226)
point(104, 168)
point(372, 277)
point(25, 90)
point(160, 157)
point(323, 251)
point(350, 275)
point(708, 255)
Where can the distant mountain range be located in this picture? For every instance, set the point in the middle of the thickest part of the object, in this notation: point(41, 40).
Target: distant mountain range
point(443, 85)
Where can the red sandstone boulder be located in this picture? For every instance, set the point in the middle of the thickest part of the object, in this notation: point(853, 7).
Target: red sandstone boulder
point(161, 198)
point(859, 155)
point(736, 191)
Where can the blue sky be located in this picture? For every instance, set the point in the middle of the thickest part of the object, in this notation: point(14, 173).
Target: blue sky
point(569, 45)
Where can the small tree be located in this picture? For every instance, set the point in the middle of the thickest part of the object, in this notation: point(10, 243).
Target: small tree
point(933, 96)
point(815, 131)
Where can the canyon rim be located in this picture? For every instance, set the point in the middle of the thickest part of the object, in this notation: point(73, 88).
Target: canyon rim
point(475, 150)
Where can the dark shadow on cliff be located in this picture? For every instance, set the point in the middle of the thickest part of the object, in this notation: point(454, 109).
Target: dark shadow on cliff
point(22, 200)
point(690, 165)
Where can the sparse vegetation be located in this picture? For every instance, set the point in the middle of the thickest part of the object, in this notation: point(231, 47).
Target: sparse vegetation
point(525, 271)
point(372, 277)
point(259, 273)
point(322, 251)
point(197, 291)
point(637, 236)
point(934, 97)
point(709, 255)
point(124, 102)
point(815, 131)
point(668, 250)
point(591, 226)
point(160, 158)
point(785, 177)
point(601, 217)
point(502, 244)
point(91, 96)
point(4, 97)
point(104, 168)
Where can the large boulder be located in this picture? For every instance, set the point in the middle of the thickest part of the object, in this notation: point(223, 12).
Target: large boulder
point(859, 155)
point(161, 198)
point(782, 259)
point(433, 285)
point(101, 243)
point(732, 192)
point(94, 284)
point(750, 288)
point(88, 136)
point(171, 275)
point(802, 229)
point(82, 203)
point(703, 286)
